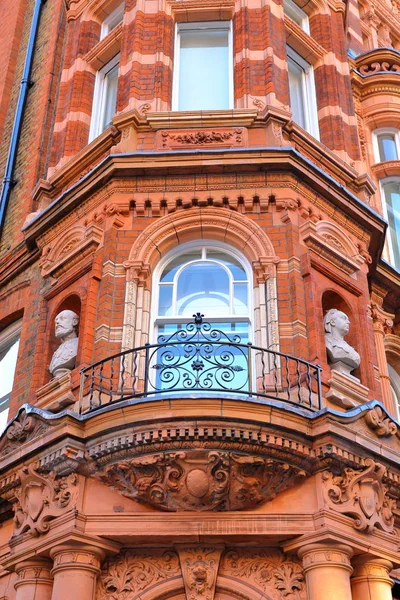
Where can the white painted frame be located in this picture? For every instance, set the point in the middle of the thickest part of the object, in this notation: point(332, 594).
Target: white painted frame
point(382, 131)
point(389, 241)
point(180, 250)
point(395, 388)
point(116, 15)
point(8, 337)
point(201, 25)
point(99, 98)
point(297, 15)
point(308, 90)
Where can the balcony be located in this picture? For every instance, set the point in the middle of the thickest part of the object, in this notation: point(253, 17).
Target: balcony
point(198, 359)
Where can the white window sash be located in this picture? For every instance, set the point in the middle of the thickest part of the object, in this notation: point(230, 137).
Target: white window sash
point(195, 27)
point(389, 241)
point(308, 92)
point(99, 99)
point(382, 131)
point(116, 15)
point(298, 15)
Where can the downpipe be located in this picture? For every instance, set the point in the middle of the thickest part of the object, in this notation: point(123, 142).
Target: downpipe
point(8, 180)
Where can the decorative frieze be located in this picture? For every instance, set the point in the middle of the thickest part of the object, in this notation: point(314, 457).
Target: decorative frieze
point(189, 138)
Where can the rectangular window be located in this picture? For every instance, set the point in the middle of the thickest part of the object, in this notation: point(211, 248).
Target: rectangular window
point(302, 92)
point(297, 15)
point(203, 66)
point(391, 193)
point(104, 98)
point(386, 144)
point(113, 19)
point(9, 343)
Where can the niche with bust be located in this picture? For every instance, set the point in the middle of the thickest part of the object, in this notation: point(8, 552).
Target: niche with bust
point(64, 338)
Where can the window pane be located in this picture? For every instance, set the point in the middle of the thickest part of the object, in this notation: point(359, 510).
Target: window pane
point(240, 299)
point(233, 265)
point(296, 14)
point(387, 147)
point(8, 361)
point(165, 300)
point(172, 267)
point(296, 92)
point(392, 197)
point(203, 287)
point(203, 70)
point(110, 100)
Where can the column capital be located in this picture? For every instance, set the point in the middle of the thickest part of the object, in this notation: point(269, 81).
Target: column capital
point(370, 567)
point(34, 578)
point(326, 554)
point(74, 555)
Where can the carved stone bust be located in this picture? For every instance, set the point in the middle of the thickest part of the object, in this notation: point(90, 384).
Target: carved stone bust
point(64, 357)
point(341, 356)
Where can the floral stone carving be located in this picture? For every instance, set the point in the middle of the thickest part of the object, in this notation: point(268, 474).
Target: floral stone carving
point(380, 423)
point(41, 499)
point(199, 570)
point(201, 480)
point(24, 428)
point(218, 137)
point(125, 575)
point(277, 576)
point(362, 496)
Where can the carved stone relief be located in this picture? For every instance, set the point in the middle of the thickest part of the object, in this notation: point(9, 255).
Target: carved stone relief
point(271, 572)
point(380, 423)
point(201, 480)
point(199, 571)
point(24, 428)
point(188, 138)
point(362, 496)
point(124, 576)
point(41, 498)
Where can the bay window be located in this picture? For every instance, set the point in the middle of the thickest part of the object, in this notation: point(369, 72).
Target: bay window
point(302, 92)
point(203, 71)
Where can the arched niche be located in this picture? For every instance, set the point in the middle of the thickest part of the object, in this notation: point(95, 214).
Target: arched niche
point(331, 299)
point(71, 302)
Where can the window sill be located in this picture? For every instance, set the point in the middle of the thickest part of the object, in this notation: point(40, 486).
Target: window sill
point(204, 118)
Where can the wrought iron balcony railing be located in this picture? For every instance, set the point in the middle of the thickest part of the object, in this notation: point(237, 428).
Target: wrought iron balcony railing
point(200, 359)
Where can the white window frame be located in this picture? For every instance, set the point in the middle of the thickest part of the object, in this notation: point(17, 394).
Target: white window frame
point(106, 26)
point(181, 250)
point(99, 98)
point(395, 388)
point(8, 337)
point(196, 26)
point(308, 90)
point(389, 242)
point(297, 15)
point(382, 131)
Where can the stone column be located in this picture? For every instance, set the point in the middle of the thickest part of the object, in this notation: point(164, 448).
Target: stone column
point(371, 579)
point(382, 324)
point(34, 580)
point(75, 571)
point(327, 569)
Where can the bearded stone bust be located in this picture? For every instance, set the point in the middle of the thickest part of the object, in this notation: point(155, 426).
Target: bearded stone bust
point(64, 358)
point(341, 356)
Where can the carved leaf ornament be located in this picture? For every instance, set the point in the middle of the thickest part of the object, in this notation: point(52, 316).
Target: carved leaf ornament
point(201, 480)
point(362, 496)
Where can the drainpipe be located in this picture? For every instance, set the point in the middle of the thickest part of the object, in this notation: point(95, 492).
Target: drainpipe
point(8, 181)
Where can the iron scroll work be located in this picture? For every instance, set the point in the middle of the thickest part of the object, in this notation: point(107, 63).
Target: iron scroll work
point(198, 358)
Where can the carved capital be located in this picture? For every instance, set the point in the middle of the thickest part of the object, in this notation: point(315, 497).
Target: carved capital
point(368, 568)
point(40, 499)
point(378, 421)
point(199, 571)
point(137, 271)
point(72, 556)
point(382, 321)
point(34, 572)
point(321, 555)
point(126, 575)
point(362, 496)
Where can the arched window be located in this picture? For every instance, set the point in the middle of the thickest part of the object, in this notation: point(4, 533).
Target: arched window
point(395, 388)
point(209, 278)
